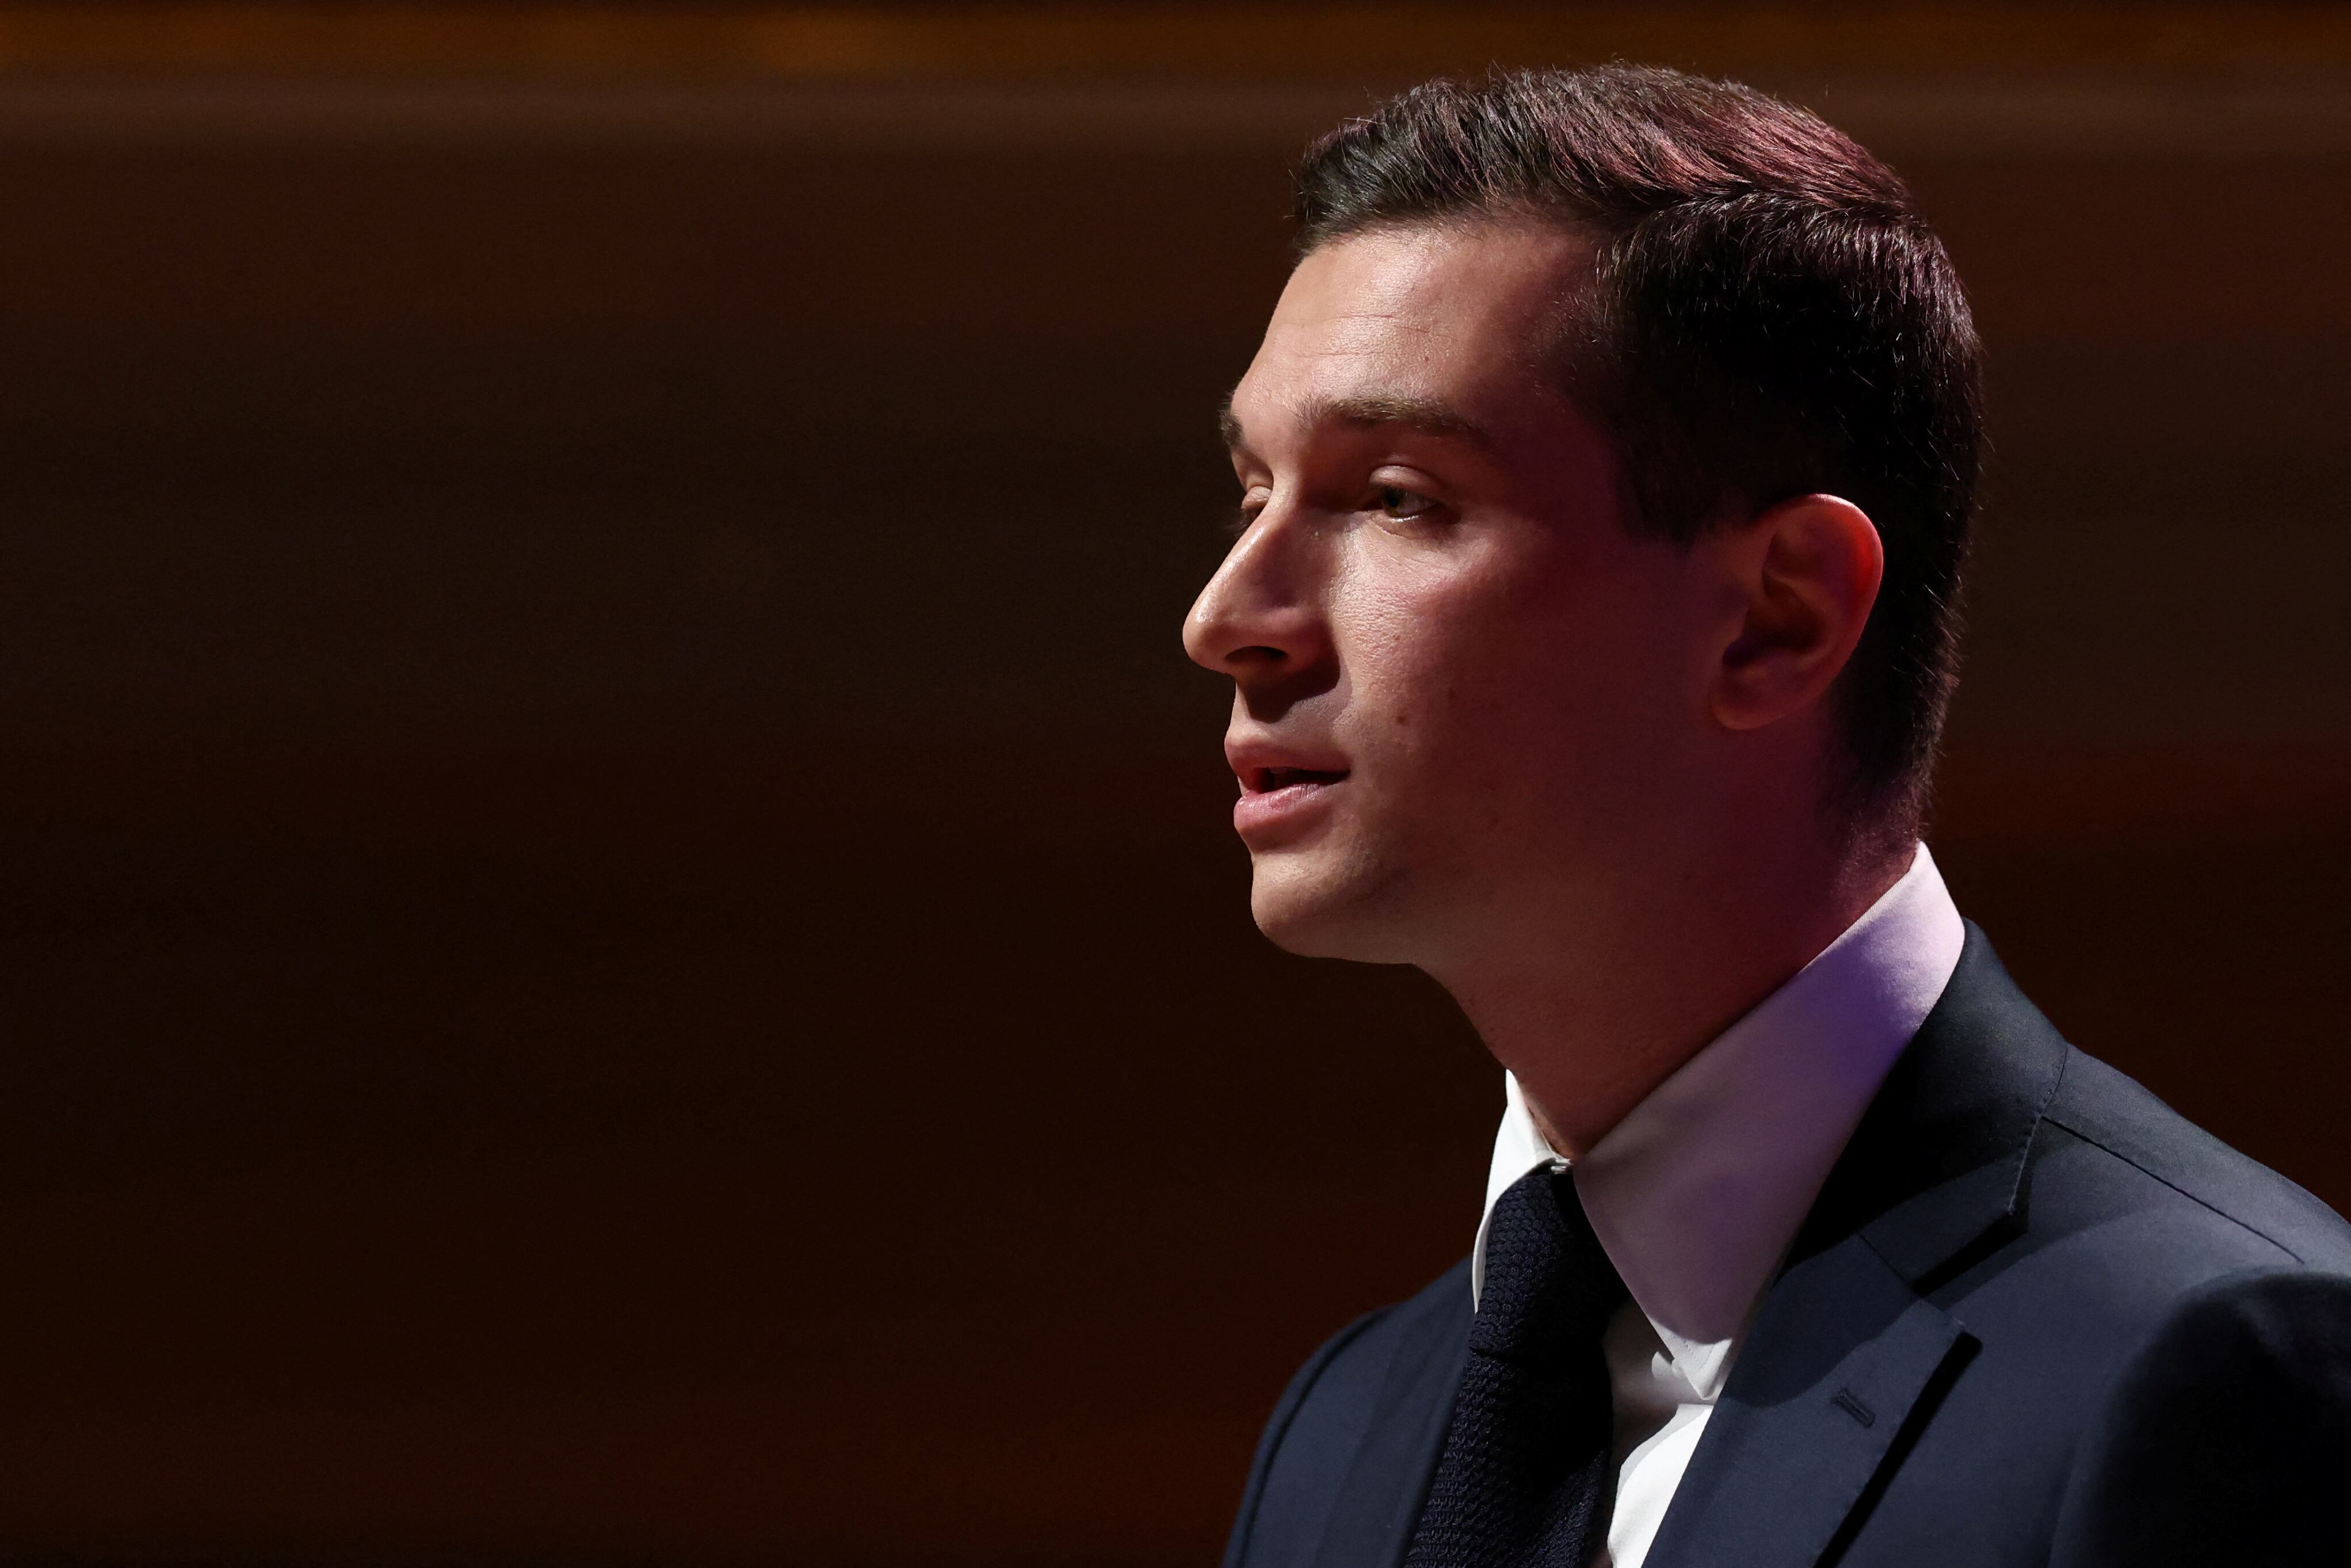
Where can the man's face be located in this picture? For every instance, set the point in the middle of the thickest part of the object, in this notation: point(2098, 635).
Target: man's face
point(1466, 697)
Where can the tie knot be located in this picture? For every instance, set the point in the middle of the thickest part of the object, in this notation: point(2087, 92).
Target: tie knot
point(1549, 1288)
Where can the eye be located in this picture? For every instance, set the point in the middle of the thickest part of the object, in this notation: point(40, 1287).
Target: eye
point(1402, 504)
point(1238, 520)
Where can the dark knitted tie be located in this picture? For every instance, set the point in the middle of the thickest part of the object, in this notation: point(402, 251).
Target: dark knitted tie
point(1525, 1479)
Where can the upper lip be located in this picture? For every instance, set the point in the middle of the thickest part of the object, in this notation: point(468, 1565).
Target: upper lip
point(1262, 764)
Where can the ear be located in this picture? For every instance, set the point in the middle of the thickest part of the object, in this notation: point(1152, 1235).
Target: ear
point(1807, 572)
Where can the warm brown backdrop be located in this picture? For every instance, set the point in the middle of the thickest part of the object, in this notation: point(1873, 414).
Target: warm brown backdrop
point(617, 935)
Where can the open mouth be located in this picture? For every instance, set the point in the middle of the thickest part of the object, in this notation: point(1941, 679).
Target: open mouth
point(1266, 781)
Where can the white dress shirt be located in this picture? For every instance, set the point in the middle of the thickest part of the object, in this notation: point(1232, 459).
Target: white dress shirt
point(1698, 1191)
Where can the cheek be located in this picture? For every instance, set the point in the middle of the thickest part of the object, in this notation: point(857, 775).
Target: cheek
point(1414, 657)
point(1521, 686)
point(1458, 681)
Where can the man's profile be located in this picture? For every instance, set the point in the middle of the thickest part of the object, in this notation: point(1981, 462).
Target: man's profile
point(1607, 467)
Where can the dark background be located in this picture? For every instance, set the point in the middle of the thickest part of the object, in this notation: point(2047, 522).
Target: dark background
point(617, 933)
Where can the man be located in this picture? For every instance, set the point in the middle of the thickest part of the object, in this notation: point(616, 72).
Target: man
point(1606, 470)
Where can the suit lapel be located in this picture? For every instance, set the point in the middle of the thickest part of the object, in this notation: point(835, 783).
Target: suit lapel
point(1372, 1520)
point(1836, 1362)
point(1847, 1349)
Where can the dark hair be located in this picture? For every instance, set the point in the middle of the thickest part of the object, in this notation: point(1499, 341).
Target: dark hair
point(1768, 316)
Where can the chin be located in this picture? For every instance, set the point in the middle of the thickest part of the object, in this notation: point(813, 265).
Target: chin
point(1306, 906)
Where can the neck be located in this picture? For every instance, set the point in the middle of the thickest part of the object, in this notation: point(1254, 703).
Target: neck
point(1593, 1010)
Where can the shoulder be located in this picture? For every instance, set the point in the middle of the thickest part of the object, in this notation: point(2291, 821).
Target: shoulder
point(1332, 1404)
point(2102, 1129)
point(1365, 1347)
point(2112, 1273)
point(2145, 1260)
point(2225, 1436)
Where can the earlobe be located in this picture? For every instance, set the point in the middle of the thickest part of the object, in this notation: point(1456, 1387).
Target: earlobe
point(1807, 572)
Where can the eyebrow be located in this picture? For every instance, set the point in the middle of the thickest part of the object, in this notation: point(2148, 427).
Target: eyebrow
point(1427, 415)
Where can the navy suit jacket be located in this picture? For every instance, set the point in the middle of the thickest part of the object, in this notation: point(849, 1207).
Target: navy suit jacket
point(2034, 1317)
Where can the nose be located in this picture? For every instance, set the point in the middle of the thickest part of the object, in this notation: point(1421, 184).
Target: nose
point(1260, 617)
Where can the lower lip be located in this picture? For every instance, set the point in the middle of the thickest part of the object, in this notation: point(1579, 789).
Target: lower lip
point(1258, 814)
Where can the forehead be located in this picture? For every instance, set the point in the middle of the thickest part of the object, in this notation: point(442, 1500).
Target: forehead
point(1462, 316)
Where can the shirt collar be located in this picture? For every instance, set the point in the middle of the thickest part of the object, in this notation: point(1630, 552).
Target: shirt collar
point(1697, 1192)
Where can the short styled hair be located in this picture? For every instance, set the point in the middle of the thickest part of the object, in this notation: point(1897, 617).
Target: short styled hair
point(1768, 316)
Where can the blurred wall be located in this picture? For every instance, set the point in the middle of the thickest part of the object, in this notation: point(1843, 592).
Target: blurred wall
point(618, 934)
